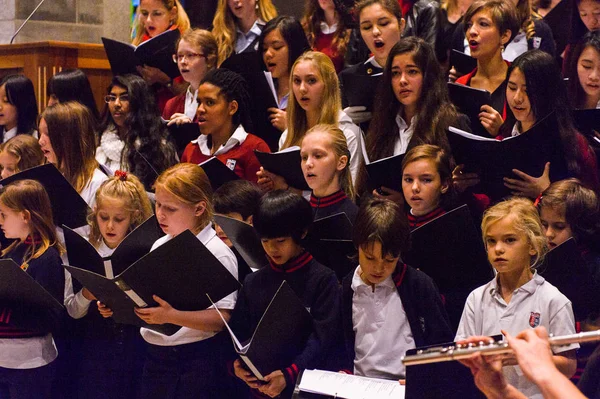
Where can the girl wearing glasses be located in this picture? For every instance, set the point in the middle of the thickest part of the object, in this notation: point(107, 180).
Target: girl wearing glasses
point(196, 55)
point(132, 136)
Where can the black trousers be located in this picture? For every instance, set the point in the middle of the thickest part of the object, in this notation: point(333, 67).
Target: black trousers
point(33, 383)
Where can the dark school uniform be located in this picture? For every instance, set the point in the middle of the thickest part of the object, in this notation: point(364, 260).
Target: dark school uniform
point(418, 221)
point(317, 288)
point(333, 204)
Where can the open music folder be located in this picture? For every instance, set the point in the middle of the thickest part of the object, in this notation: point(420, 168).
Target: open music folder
point(494, 160)
point(469, 100)
point(449, 249)
point(279, 336)
point(245, 240)
point(329, 240)
point(218, 174)
point(463, 63)
point(348, 386)
point(136, 244)
point(285, 163)
point(156, 52)
point(68, 207)
point(17, 288)
point(182, 272)
point(384, 172)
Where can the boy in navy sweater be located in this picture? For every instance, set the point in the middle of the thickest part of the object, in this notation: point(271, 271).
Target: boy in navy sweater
point(282, 219)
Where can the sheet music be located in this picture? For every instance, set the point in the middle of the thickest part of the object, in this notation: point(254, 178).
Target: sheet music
point(269, 78)
point(350, 386)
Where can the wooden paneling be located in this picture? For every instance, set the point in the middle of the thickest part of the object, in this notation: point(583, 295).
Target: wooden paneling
point(40, 61)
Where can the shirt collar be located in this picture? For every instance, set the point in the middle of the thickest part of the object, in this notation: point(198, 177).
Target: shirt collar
point(255, 30)
point(293, 264)
point(530, 287)
point(237, 138)
point(328, 200)
point(516, 130)
point(206, 234)
point(326, 29)
point(359, 285)
point(190, 96)
point(417, 221)
point(373, 62)
point(9, 134)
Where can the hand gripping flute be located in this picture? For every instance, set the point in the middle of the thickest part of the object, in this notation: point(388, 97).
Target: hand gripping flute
point(448, 353)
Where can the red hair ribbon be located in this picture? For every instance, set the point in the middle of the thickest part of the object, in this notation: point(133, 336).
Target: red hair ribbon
point(537, 201)
point(121, 174)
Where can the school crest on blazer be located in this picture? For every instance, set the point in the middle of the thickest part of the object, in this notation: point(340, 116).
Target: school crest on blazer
point(231, 163)
point(534, 319)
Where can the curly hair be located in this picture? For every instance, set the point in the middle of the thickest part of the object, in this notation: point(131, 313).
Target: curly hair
point(234, 87)
point(147, 153)
point(182, 21)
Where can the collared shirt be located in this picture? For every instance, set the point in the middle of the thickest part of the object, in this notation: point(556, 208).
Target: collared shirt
point(191, 103)
point(238, 137)
point(246, 39)
point(405, 133)
point(9, 134)
point(516, 130)
point(185, 335)
point(535, 303)
point(382, 330)
point(375, 64)
point(326, 29)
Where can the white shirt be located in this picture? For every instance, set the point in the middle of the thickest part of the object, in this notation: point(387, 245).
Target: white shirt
point(373, 62)
point(536, 303)
point(9, 134)
point(89, 191)
point(383, 334)
point(405, 133)
point(76, 304)
point(27, 353)
point(326, 29)
point(516, 130)
point(191, 103)
point(237, 138)
point(245, 39)
point(185, 335)
point(110, 150)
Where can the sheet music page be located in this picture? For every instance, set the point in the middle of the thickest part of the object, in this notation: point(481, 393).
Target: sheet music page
point(350, 386)
point(271, 83)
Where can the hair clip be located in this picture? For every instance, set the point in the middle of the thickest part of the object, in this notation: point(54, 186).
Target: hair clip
point(121, 174)
point(538, 200)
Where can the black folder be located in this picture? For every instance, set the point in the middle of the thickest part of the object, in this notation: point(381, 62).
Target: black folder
point(17, 288)
point(586, 121)
point(329, 241)
point(285, 163)
point(156, 52)
point(218, 174)
point(385, 172)
point(462, 62)
point(450, 250)
point(360, 90)
point(182, 135)
point(68, 207)
point(494, 159)
point(469, 101)
point(565, 268)
point(135, 245)
point(181, 271)
point(245, 239)
point(280, 335)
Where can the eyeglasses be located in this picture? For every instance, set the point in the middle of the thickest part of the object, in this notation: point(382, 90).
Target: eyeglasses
point(190, 57)
point(112, 98)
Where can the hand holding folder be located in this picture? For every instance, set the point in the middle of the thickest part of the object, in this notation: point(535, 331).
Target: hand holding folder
point(181, 272)
point(285, 163)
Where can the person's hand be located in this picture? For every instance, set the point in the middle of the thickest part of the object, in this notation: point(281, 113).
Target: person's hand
point(88, 295)
point(156, 315)
point(461, 180)
point(529, 186)
point(486, 370)
point(178, 119)
point(104, 310)
point(270, 181)
point(153, 75)
point(278, 118)
point(358, 114)
point(490, 119)
point(532, 350)
point(274, 384)
point(388, 193)
point(245, 375)
point(453, 74)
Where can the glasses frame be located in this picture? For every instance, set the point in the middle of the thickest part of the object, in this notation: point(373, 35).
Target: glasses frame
point(111, 98)
point(189, 57)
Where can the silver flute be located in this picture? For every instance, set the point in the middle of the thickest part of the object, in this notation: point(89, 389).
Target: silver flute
point(438, 354)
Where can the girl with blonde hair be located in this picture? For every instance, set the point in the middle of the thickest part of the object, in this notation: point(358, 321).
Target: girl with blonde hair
point(19, 153)
point(238, 24)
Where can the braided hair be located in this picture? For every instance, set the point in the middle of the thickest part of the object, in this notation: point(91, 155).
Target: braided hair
point(234, 87)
